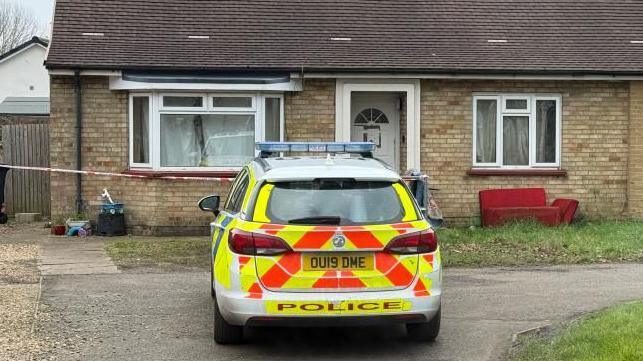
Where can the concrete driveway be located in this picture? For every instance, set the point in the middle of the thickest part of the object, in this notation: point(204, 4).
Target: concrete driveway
point(167, 316)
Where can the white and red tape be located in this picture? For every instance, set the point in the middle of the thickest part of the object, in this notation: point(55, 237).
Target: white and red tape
point(108, 174)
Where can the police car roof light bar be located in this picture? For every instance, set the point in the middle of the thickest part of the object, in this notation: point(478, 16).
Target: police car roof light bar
point(268, 148)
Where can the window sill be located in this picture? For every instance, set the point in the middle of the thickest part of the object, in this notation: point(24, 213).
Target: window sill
point(490, 172)
point(205, 174)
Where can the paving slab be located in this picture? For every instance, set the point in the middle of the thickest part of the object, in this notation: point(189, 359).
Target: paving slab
point(74, 256)
point(168, 316)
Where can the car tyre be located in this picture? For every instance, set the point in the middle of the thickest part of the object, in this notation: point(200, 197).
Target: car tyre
point(425, 332)
point(225, 333)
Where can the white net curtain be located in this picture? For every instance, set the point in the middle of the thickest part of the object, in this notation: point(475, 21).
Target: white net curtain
point(486, 131)
point(207, 140)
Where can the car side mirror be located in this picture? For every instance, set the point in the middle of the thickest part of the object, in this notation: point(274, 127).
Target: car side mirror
point(210, 204)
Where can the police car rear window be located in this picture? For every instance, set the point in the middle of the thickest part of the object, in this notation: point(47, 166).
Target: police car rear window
point(334, 202)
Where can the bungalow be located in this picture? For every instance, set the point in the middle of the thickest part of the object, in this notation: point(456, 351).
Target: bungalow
point(478, 94)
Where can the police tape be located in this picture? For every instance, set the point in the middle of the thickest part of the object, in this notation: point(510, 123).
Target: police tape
point(108, 174)
point(144, 176)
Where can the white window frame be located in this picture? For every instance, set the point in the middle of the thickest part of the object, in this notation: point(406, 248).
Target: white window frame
point(204, 101)
point(211, 106)
point(149, 130)
point(502, 112)
point(507, 97)
point(157, 109)
point(261, 108)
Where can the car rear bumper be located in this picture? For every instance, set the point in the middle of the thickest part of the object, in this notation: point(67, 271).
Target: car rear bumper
point(328, 309)
point(335, 321)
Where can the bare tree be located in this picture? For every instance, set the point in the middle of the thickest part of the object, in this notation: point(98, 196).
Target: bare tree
point(17, 25)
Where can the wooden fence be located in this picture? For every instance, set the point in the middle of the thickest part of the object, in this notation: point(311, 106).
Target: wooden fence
point(27, 145)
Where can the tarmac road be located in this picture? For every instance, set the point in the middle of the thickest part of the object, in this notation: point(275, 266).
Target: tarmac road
point(168, 316)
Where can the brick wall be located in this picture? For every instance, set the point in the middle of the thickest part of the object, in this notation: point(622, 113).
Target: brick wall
point(635, 175)
point(152, 206)
point(310, 114)
point(594, 152)
point(594, 145)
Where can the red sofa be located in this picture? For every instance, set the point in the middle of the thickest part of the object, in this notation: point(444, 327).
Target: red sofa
point(499, 206)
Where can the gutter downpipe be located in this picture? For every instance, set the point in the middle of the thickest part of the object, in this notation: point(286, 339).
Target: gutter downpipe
point(79, 142)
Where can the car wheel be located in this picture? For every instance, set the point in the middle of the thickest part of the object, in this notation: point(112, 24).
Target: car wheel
point(225, 333)
point(427, 331)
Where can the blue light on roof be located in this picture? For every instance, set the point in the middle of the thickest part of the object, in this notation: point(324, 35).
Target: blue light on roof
point(316, 147)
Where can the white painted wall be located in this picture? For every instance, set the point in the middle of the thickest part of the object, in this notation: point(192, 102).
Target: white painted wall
point(24, 70)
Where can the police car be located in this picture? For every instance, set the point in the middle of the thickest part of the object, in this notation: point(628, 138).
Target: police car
point(331, 240)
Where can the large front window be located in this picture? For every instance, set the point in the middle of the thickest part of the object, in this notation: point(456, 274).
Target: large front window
point(516, 131)
point(201, 131)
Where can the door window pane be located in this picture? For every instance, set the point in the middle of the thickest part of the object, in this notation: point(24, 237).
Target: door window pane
point(182, 102)
point(273, 119)
point(232, 102)
point(516, 140)
point(207, 140)
point(486, 119)
point(140, 131)
point(546, 131)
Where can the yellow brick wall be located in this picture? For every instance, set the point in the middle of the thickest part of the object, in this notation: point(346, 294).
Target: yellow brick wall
point(594, 146)
point(595, 149)
point(635, 174)
point(310, 114)
point(152, 206)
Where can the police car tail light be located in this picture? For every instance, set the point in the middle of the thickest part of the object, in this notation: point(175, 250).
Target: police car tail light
point(416, 243)
point(241, 242)
point(270, 246)
point(247, 243)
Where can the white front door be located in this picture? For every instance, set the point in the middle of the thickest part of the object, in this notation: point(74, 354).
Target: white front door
point(375, 117)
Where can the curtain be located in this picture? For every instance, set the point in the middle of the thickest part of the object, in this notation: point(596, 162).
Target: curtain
point(229, 140)
point(207, 140)
point(141, 129)
point(179, 145)
point(516, 140)
point(486, 120)
point(546, 131)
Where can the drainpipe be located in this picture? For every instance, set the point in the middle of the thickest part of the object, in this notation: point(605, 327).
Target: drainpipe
point(79, 143)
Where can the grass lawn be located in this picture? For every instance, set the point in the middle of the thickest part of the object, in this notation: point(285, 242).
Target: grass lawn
point(533, 244)
point(513, 245)
point(613, 335)
point(160, 252)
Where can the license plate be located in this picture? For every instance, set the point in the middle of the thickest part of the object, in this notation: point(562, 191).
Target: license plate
point(338, 261)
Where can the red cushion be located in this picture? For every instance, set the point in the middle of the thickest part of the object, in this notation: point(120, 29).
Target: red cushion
point(499, 216)
point(567, 209)
point(522, 197)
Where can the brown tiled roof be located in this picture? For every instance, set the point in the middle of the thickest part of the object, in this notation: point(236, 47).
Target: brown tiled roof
point(440, 36)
